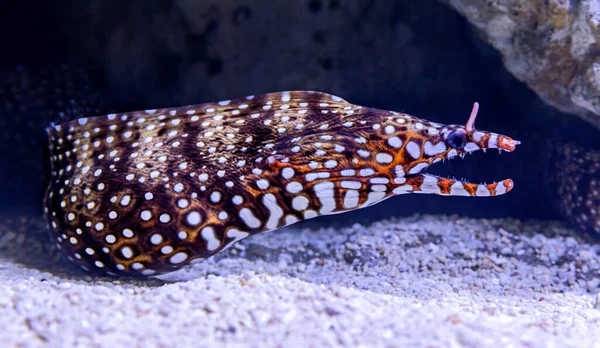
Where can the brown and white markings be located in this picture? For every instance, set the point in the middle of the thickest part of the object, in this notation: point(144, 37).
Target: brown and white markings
point(149, 191)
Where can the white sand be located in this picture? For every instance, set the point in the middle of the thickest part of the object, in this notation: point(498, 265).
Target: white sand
point(421, 281)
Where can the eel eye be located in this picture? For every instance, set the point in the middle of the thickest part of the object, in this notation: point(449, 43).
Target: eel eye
point(456, 140)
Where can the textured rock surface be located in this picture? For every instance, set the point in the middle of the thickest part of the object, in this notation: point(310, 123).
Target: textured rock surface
point(421, 281)
point(553, 46)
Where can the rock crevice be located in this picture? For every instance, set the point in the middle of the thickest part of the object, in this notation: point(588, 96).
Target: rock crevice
point(553, 46)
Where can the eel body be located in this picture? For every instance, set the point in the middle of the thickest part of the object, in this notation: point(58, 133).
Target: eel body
point(146, 192)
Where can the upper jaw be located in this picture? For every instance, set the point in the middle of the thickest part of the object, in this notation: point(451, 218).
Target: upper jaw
point(494, 141)
point(507, 144)
point(479, 140)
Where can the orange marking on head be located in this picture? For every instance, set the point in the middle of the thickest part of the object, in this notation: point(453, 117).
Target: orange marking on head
point(509, 184)
point(507, 143)
point(444, 185)
point(470, 188)
point(492, 188)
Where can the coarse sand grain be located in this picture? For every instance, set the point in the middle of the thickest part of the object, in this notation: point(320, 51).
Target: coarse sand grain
point(440, 281)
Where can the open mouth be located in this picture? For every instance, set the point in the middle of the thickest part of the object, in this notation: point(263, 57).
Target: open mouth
point(462, 141)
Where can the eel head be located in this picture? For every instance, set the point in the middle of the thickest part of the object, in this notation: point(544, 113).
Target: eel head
point(406, 146)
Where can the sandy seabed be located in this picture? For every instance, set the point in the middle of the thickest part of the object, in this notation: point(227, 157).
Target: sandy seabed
point(433, 281)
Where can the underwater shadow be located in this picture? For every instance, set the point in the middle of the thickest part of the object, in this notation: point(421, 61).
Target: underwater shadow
point(25, 242)
point(411, 256)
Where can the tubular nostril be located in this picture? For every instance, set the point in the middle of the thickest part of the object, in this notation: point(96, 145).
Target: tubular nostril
point(506, 143)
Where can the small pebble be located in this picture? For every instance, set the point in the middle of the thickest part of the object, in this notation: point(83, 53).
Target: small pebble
point(423, 280)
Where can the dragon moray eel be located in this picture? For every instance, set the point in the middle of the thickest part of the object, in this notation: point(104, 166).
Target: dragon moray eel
point(146, 192)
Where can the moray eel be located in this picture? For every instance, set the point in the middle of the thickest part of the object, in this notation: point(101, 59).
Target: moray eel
point(147, 192)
